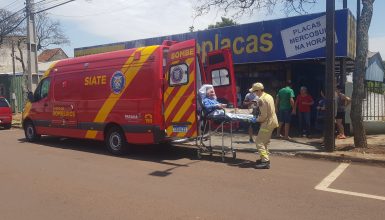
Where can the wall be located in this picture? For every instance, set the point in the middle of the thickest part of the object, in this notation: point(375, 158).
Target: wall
point(6, 58)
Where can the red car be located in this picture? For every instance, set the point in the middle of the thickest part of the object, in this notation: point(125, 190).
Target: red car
point(5, 113)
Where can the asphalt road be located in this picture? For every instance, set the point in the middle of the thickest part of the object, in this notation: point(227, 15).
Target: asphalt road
point(73, 179)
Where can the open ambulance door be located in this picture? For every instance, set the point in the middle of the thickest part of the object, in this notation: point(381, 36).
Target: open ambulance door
point(220, 73)
point(179, 99)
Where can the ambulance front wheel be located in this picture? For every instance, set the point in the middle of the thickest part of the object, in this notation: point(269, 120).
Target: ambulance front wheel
point(30, 132)
point(116, 141)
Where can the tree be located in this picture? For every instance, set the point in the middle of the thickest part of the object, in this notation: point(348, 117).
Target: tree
point(224, 23)
point(191, 28)
point(241, 7)
point(20, 58)
point(359, 74)
point(9, 24)
point(49, 32)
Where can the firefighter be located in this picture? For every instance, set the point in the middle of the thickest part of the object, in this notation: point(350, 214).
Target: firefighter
point(269, 122)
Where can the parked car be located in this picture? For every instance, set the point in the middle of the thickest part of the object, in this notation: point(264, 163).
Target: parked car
point(5, 113)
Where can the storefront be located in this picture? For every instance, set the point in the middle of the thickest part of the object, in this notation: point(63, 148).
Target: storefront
point(270, 52)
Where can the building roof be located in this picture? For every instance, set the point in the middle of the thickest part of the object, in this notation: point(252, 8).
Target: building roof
point(373, 55)
point(375, 69)
point(46, 55)
point(370, 54)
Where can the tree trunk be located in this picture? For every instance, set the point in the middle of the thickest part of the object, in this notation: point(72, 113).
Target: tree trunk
point(359, 74)
point(25, 77)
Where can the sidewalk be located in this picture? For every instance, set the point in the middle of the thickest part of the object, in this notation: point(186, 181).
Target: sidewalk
point(311, 148)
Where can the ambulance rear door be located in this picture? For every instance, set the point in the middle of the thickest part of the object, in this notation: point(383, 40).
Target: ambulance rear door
point(179, 99)
point(220, 73)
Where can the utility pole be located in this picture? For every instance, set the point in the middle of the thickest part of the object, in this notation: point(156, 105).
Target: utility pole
point(330, 77)
point(358, 22)
point(31, 44)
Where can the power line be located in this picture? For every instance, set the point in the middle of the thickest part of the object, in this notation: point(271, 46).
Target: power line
point(39, 2)
point(18, 24)
point(53, 6)
point(99, 13)
point(43, 2)
point(9, 4)
point(16, 5)
point(5, 19)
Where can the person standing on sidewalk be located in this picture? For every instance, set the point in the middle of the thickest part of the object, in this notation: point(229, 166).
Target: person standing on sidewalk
point(342, 102)
point(304, 101)
point(284, 105)
point(321, 112)
point(269, 122)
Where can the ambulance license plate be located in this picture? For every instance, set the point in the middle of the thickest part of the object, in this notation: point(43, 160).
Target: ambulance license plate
point(179, 129)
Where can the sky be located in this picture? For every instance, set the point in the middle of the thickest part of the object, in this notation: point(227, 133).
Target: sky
point(95, 22)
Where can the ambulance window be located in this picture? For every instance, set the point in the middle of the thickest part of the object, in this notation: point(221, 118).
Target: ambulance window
point(42, 89)
point(178, 74)
point(220, 77)
point(215, 59)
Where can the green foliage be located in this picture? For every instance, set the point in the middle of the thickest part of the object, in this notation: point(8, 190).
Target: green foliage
point(224, 23)
point(375, 87)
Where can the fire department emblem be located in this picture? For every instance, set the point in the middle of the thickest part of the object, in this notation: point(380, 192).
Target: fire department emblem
point(117, 82)
point(176, 74)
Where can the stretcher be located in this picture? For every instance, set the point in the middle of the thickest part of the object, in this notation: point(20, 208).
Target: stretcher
point(221, 125)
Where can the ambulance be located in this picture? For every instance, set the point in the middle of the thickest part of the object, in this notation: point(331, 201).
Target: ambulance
point(145, 95)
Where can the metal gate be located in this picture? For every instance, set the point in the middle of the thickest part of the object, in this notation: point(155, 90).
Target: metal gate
point(373, 106)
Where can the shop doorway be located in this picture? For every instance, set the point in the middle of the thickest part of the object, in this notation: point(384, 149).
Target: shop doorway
point(312, 76)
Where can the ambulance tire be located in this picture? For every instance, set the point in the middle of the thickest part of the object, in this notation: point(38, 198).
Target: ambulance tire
point(30, 132)
point(116, 141)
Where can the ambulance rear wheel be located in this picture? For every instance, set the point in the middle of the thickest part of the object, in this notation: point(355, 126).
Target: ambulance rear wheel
point(116, 141)
point(30, 132)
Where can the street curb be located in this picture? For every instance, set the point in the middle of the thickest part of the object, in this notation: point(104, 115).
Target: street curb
point(340, 158)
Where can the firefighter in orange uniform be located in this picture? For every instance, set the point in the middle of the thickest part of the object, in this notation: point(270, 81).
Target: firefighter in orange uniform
point(269, 122)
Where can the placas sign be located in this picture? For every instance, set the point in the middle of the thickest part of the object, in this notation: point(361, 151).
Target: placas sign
point(304, 37)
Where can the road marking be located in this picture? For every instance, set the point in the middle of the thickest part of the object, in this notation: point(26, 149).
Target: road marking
point(327, 181)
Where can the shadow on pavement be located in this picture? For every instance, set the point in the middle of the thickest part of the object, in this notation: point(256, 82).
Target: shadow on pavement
point(161, 153)
point(144, 152)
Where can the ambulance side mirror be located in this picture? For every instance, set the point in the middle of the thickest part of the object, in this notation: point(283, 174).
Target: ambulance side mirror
point(30, 96)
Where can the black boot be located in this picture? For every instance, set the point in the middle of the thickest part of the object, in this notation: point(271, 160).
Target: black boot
point(263, 165)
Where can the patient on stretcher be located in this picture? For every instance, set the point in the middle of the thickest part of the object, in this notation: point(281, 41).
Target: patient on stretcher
point(216, 109)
